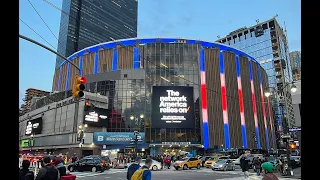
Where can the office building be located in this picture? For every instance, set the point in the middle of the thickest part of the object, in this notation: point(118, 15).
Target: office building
point(295, 58)
point(85, 23)
point(267, 43)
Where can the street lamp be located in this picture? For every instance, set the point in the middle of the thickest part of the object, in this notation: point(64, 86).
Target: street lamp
point(293, 89)
point(141, 116)
point(31, 142)
point(131, 117)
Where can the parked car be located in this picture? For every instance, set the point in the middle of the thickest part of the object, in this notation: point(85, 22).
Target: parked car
point(224, 164)
point(204, 159)
point(210, 162)
point(155, 164)
point(189, 162)
point(88, 164)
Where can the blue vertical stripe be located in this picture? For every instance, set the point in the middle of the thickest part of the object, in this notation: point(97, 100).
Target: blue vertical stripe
point(258, 138)
point(244, 136)
point(202, 66)
point(221, 62)
point(96, 63)
point(80, 66)
point(135, 57)
point(226, 135)
point(267, 138)
point(205, 135)
point(250, 70)
point(59, 81)
point(238, 66)
point(68, 77)
point(115, 60)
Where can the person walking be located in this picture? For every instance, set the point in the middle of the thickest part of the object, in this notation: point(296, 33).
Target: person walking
point(74, 158)
point(133, 167)
point(48, 172)
point(25, 173)
point(60, 166)
point(257, 165)
point(144, 172)
point(244, 164)
point(268, 171)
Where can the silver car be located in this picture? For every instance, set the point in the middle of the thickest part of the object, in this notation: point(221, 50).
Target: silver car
point(224, 164)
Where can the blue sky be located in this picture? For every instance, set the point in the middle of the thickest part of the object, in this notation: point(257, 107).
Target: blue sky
point(197, 19)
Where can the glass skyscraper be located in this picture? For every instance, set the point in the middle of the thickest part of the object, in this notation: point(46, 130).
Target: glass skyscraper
point(88, 22)
point(267, 43)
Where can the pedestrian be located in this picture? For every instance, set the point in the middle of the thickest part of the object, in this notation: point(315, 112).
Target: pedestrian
point(268, 171)
point(74, 158)
point(133, 167)
point(244, 164)
point(48, 172)
point(61, 168)
point(257, 165)
point(144, 172)
point(25, 173)
point(161, 161)
point(167, 161)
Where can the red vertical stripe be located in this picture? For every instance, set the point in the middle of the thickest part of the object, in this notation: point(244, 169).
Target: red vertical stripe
point(224, 98)
point(241, 100)
point(204, 96)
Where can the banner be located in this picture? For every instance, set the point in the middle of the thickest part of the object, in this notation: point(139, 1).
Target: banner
point(107, 138)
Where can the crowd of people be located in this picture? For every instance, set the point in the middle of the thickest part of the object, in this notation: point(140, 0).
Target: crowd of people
point(51, 169)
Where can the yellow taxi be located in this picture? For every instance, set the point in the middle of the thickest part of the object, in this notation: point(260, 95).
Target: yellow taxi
point(188, 162)
point(210, 162)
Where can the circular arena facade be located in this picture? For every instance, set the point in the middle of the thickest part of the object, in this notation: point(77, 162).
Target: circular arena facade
point(227, 110)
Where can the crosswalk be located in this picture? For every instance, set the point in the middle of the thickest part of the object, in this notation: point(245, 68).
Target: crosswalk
point(93, 174)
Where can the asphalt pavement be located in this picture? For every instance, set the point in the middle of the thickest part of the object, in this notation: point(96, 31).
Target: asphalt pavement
point(172, 174)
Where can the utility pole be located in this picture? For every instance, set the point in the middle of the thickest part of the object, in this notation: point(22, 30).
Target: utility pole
point(49, 49)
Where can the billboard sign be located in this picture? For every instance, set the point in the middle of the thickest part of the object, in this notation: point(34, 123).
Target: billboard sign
point(96, 117)
point(102, 138)
point(172, 107)
point(34, 126)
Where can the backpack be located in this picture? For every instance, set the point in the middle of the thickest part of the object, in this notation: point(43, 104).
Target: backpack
point(52, 173)
point(138, 175)
point(131, 169)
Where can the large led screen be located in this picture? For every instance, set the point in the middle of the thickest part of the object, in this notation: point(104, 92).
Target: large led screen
point(172, 107)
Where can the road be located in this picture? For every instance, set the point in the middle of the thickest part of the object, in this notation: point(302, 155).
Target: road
point(201, 174)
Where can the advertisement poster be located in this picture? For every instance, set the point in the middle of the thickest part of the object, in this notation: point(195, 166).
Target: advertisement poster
point(34, 126)
point(97, 117)
point(172, 107)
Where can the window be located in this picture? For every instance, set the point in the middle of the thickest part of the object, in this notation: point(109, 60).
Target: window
point(125, 75)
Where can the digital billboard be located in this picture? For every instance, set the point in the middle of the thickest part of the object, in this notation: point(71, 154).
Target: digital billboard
point(34, 126)
point(172, 107)
point(96, 117)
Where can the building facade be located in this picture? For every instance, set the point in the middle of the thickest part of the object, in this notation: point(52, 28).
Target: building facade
point(222, 86)
point(86, 23)
point(295, 59)
point(267, 43)
point(29, 95)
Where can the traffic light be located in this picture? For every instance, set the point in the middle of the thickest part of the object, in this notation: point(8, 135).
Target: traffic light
point(78, 86)
point(292, 146)
point(88, 106)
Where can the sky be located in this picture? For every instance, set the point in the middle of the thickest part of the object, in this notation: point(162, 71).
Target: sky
point(194, 19)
